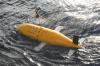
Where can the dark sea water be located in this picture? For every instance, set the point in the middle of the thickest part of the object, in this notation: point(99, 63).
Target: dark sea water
point(77, 16)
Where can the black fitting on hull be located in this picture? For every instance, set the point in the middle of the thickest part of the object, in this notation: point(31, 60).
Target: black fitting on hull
point(76, 39)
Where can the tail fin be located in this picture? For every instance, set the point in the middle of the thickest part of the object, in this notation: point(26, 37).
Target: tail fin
point(76, 39)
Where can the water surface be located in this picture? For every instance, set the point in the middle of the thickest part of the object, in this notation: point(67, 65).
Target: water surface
point(77, 16)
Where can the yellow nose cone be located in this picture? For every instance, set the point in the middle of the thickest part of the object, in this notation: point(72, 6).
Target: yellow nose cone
point(47, 35)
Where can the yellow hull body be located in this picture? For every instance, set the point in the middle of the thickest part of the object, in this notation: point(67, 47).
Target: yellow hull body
point(46, 35)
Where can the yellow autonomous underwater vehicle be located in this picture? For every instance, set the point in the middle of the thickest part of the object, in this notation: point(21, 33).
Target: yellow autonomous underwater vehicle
point(49, 36)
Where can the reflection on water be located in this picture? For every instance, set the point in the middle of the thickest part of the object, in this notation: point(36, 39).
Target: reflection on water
point(76, 15)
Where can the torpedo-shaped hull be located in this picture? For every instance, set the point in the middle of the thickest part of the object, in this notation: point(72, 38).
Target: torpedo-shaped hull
point(47, 35)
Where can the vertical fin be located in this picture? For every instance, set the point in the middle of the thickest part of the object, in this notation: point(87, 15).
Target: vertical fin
point(75, 41)
point(71, 51)
point(40, 46)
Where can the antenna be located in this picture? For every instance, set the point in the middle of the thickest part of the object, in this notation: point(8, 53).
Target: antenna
point(37, 15)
